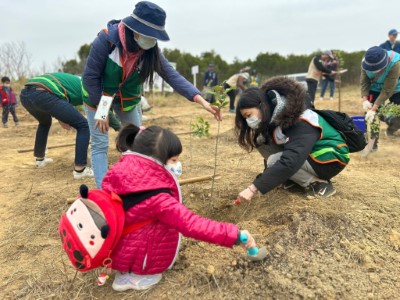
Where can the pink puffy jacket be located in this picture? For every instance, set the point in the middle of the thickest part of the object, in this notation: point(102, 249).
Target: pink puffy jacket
point(153, 248)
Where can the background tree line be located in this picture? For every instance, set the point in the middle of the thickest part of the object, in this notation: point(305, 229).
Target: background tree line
point(15, 61)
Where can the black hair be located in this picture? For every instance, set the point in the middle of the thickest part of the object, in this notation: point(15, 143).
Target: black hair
point(154, 141)
point(151, 61)
point(5, 79)
point(252, 98)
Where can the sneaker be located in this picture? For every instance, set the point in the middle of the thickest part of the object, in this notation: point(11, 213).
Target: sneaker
point(321, 98)
point(127, 281)
point(323, 189)
point(5, 125)
point(44, 162)
point(232, 111)
point(331, 98)
point(86, 173)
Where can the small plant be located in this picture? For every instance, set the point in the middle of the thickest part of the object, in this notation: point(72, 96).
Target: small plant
point(221, 101)
point(389, 111)
point(201, 127)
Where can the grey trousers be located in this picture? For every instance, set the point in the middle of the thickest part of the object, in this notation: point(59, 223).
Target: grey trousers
point(303, 177)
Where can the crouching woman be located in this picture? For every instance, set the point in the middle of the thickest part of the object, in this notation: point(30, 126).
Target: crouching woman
point(298, 145)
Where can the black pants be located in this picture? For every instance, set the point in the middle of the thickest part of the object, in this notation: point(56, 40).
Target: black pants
point(232, 96)
point(9, 109)
point(312, 85)
point(326, 171)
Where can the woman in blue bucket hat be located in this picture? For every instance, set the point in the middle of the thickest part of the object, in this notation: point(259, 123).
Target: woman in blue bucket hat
point(122, 57)
point(379, 82)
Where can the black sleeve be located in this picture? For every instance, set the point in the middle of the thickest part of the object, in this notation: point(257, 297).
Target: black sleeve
point(320, 66)
point(302, 138)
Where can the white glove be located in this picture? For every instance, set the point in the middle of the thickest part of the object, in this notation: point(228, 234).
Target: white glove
point(366, 105)
point(370, 116)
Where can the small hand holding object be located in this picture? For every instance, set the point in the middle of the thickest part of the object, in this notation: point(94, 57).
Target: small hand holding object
point(370, 116)
point(366, 105)
point(64, 125)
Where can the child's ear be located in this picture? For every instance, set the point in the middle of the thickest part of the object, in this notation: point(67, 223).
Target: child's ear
point(84, 191)
point(104, 231)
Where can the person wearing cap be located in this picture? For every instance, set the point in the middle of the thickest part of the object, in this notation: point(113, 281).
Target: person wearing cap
point(235, 81)
point(8, 101)
point(315, 71)
point(379, 81)
point(391, 43)
point(121, 59)
point(210, 80)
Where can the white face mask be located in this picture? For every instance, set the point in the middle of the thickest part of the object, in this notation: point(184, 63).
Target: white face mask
point(7, 84)
point(175, 169)
point(145, 42)
point(253, 122)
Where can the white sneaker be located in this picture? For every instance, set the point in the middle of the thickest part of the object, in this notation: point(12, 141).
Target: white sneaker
point(86, 173)
point(123, 282)
point(331, 98)
point(44, 162)
point(321, 99)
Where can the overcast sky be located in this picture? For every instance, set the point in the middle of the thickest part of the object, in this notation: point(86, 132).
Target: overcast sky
point(242, 29)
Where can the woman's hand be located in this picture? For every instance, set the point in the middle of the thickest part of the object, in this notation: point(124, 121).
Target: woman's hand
point(248, 193)
point(211, 109)
point(102, 124)
point(64, 125)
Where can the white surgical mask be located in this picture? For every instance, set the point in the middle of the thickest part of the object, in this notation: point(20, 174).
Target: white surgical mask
point(253, 122)
point(7, 84)
point(145, 42)
point(175, 169)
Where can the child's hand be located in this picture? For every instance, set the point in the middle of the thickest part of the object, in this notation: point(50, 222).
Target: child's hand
point(251, 243)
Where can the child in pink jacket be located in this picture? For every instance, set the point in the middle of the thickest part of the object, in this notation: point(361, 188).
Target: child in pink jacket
point(149, 166)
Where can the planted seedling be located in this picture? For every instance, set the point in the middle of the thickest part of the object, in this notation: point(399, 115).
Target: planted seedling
point(221, 101)
point(201, 127)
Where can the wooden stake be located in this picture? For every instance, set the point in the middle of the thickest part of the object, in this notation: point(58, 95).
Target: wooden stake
point(49, 147)
point(181, 182)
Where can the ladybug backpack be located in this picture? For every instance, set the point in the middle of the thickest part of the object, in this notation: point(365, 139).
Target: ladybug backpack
point(94, 224)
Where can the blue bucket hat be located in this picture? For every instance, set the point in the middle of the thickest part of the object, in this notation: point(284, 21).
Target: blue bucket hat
point(375, 59)
point(393, 32)
point(148, 19)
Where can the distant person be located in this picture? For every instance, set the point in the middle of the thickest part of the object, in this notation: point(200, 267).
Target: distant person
point(210, 80)
point(391, 43)
point(379, 81)
point(328, 79)
point(235, 81)
point(8, 101)
point(148, 169)
point(254, 81)
point(54, 96)
point(121, 59)
point(315, 72)
point(298, 146)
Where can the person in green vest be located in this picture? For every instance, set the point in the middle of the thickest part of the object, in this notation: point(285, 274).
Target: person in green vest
point(299, 147)
point(54, 95)
point(380, 81)
point(121, 59)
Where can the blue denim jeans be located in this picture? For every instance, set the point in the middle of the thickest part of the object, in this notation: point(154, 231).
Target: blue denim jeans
point(99, 146)
point(43, 105)
point(324, 85)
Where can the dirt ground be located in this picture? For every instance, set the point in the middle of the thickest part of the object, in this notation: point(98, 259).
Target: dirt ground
point(346, 247)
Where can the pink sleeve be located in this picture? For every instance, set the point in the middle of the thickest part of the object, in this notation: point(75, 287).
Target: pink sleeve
point(173, 213)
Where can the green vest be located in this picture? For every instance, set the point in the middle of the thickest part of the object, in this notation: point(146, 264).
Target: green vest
point(113, 75)
point(63, 85)
point(329, 148)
